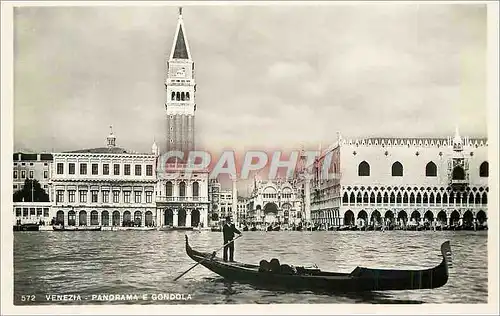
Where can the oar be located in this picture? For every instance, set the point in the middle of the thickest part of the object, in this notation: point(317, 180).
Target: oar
point(207, 257)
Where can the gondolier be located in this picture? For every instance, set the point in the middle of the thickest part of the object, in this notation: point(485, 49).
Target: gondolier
point(228, 231)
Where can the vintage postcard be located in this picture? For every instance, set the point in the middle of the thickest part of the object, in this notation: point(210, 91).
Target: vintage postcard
point(249, 157)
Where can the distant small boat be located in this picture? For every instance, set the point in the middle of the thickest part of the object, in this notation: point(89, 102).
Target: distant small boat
point(170, 228)
point(118, 228)
point(270, 228)
point(27, 227)
point(76, 228)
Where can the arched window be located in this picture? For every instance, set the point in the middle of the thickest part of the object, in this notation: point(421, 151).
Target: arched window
point(419, 198)
point(173, 96)
point(392, 198)
point(183, 96)
point(182, 189)
point(372, 198)
point(397, 169)
point(358, 198)
point(484, 169)
point(438, 198)
point(169, 189)
point(458, 173)
point(364, 169)
point(412, 198)
point(477, 200)
point(365, 198)
point(187, 96)
point(379, 198)
point(345, 198)
point(386, 198)
point(485, 198)
point(398, 198)
point(196, 189)
point(405, 198)
point(352, 199)
point(178, 96)
point(431, 169)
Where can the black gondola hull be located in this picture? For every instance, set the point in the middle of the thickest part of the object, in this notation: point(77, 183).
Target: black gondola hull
point(359, 280)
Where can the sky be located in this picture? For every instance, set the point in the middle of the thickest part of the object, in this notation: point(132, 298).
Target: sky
point(268, 76)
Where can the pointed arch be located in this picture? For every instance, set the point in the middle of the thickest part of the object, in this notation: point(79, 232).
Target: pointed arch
point(379, 197)
point(438, 198)
point(183, 96)
point(485, 198)
point(412, 198)
point(187, 96)
point(405, 198)
point(478, 198)
point(425, 198)
point(386, 198)
point(172, 97)
point(397, 169)
point(471, 198)
point(484, 170)
point(392, 198)
point(365, 198)
point(178, 96)
point(398, 198)
point(358, 198)
point(432, 199)
point(445, 198)
point(419, 198)
point(372, 198)
point(352, 198)
point(431, 169)
point(345, 198)
point(363, 169)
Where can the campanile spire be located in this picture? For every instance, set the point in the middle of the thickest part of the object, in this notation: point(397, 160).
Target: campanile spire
point(180, 88)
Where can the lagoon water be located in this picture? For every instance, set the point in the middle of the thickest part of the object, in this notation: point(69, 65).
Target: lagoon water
point(144, 263)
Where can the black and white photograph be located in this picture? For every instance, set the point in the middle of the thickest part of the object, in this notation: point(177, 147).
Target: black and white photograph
point(161, 156)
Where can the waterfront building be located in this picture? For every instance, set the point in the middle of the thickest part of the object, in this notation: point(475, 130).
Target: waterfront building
point(105, 186)
point(32, 166)
point(226, 204)
point(32, 212)
point(182, 196)
point(274, 201)
point(242, 207)
point(402, 181)
point(214, 197)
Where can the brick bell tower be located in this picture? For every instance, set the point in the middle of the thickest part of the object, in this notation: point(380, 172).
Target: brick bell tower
point(180, 88)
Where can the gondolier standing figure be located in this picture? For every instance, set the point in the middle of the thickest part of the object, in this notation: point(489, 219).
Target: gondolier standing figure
point(228, 231)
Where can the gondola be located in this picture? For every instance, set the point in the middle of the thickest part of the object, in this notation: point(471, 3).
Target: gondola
point(27, 227)
point(359, 280)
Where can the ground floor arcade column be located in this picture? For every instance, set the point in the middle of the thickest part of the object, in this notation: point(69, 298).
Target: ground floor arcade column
point(176, 218)
point(204, 216)
point(188, 218)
